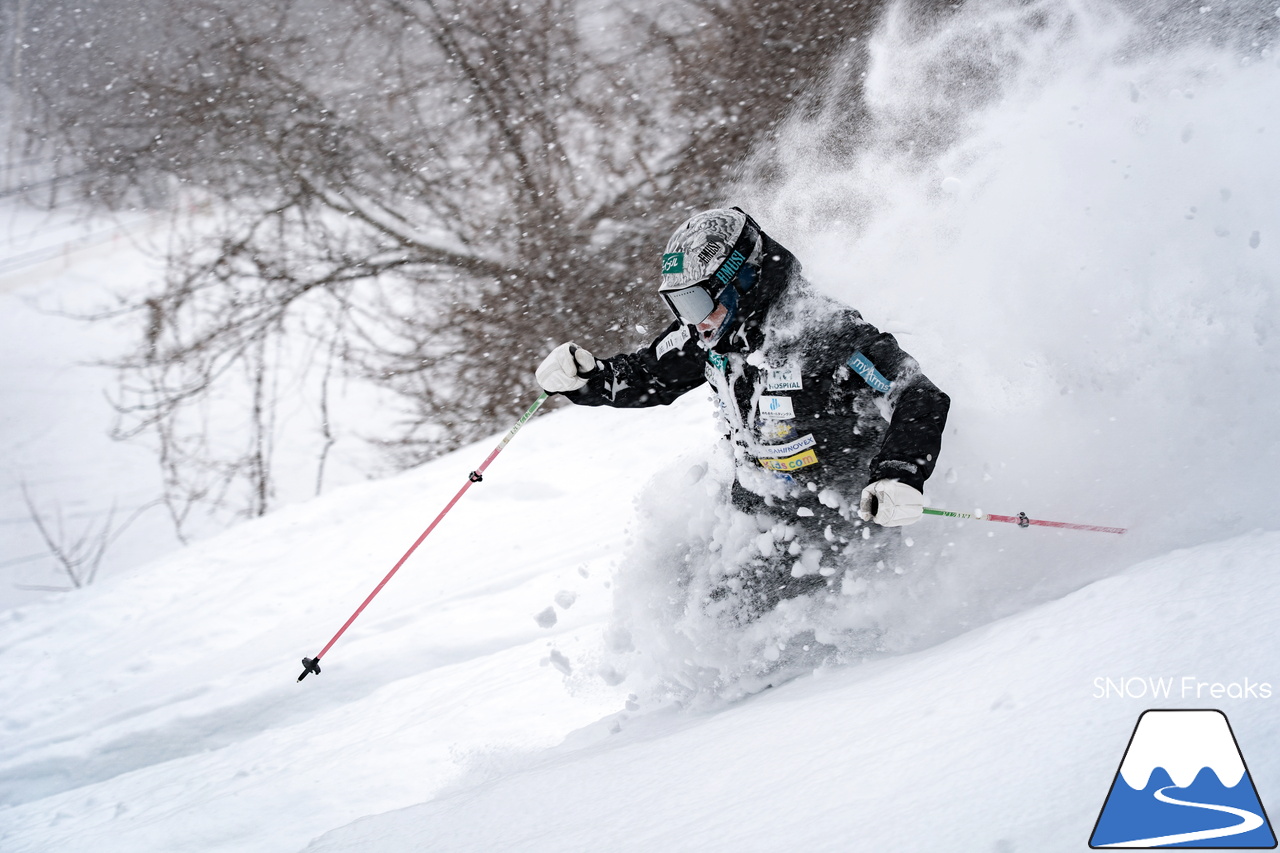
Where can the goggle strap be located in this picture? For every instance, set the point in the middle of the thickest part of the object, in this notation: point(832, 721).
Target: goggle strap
point(744, 245)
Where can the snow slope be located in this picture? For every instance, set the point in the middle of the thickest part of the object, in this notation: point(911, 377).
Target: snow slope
point(159, 711)
point(1082, 254)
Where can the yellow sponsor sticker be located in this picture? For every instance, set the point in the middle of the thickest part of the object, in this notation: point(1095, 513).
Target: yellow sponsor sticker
point(791, 463)
point(776, 430)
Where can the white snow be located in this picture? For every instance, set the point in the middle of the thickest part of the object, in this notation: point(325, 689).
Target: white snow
point(546, 618)
point(54, 412)
point(1069, 269)
point(992, 741)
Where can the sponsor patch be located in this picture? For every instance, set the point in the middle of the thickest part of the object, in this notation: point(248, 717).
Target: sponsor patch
point(791, 448)
point(777, 408)
point(862, 366)
point(675, 340)
point(718, 361)
point(673, 263)
point(791, 463)
point(783, 379)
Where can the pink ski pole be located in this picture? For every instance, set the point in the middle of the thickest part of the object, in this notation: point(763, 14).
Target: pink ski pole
point(310, 665)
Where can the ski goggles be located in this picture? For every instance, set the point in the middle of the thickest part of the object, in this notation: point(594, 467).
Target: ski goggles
point(694, 303)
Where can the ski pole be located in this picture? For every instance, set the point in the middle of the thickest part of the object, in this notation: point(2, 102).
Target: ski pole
point(310, 665)
point(1022, 521)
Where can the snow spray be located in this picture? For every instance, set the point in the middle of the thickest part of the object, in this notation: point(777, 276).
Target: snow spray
point(1065, 211)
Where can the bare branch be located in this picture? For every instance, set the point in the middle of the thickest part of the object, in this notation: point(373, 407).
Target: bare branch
point(79, 557)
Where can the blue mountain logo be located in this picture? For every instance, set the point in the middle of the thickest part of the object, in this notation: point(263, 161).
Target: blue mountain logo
point(1183, 783)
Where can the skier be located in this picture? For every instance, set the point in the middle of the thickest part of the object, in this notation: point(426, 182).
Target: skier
point(818, 406)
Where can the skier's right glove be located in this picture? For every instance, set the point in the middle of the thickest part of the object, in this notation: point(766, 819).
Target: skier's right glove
point(566, 368)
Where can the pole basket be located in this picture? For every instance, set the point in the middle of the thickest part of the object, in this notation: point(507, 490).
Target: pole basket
point(309, 665)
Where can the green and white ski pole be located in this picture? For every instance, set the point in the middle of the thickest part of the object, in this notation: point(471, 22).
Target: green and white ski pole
point(310, 665)
point(1022, 521)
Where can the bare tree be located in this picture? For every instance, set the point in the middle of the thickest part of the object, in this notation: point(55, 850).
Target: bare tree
point(424, 193)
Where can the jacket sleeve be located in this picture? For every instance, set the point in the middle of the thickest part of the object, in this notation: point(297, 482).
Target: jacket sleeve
point(653, 376)
point(919, 408)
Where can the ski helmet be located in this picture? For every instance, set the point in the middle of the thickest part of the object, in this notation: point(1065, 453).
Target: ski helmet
point(712, 259)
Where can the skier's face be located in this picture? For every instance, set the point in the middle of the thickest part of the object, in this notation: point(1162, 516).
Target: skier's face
point(710, 329)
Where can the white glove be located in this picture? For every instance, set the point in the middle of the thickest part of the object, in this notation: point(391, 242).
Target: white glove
point(565, 368)
point(895, 504)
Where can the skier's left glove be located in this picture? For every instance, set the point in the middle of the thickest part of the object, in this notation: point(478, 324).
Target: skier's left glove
point(890, 503)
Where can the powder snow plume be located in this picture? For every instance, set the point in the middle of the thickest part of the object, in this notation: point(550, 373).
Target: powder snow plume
point(1066, 211)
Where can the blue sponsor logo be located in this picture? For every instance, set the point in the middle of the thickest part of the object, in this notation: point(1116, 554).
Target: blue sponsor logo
point(862, 366)
point(730, 267)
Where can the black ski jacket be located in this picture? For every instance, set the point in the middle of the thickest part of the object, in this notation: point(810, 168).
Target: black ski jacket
point(807, 389)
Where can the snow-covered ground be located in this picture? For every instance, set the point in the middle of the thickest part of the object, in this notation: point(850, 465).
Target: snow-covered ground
point(159, 709)
point(55, 417)
point(1089, 269)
